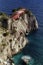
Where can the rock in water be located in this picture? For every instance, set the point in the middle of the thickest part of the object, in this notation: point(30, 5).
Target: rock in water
point(13, 30)
point(26, 59)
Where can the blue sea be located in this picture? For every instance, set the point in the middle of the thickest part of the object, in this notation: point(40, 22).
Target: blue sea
point(35, 48)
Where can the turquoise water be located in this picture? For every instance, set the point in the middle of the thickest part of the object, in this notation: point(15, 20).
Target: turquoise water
point(35, 48)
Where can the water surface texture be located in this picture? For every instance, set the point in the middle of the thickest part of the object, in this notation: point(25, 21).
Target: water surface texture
point(35, 48)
